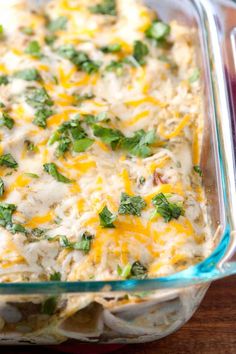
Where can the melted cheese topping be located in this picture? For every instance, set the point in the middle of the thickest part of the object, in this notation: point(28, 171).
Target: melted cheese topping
point(144, 96)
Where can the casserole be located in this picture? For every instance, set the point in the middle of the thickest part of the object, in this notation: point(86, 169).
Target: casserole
point(155, 307)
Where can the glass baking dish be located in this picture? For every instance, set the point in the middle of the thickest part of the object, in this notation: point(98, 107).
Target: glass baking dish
point(98, 310)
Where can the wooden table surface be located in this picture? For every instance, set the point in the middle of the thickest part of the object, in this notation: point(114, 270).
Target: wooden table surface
point(212, 330)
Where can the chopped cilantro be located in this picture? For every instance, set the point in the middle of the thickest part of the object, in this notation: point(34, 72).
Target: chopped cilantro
point(139, 144)
point(1, 31)
point(111, 48)
point(16, 228)
point(2, 105)
point(58, 24)
point(83, 245)
point(6, 211)
point(198, 170)
point(31, 175)
point(41, 117)
point(107, 218)
point(38, 97)
point(138, 271)
point(6, 121)
point(106, 7)
point(50, 39)
point(131, 205)
point(4, 80)
point(78, 58)
point(8, 161)
point(142, 180)
point(82, 145)
point(28, 74)
point(80, 98)
point(52, 170)
point(1, 187)
point(30, 146)
point(70, 134)
point(27, 30)
point(125, 272)
point(116, 66)
point(158, 30)
point(55, 276)
point(195, 76)
point(167, 209)
point(49, 306)
point(108, 136)
point(140, 52)
point(33, 49)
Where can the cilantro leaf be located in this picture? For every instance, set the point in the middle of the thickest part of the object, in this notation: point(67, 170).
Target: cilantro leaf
point(2, 189)
point(16, 228)
point(28, 74)
point(4, 80)
point(116, 66)
point(6, 211)
point(198, 170)
point(106, 7)
point(111, 48)
point(30, 146)
point(41, 117)
point(140, 52)
point(49, 306)
point(78, 58)
point(195, 76)
point(158, 30)
point(83, 245)
point(138, 271)
point(138, 145)
point(6, 120)
point(58, 24)
point(131, 205)
point(55, 276)
point(125, 272)
point(108, 136)
point(80, 98)
point(37, 97)
point(52, 170)
point(82, 145)
point(33, 49)
point(167, 209)
point(8, 161)
point(1, 31)
point(107, 218)
point(50, 39)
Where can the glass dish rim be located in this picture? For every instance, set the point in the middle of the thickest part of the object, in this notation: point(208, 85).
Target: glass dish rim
point(204, 271)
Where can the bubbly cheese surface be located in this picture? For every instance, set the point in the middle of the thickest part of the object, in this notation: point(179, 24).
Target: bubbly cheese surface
point(101, 128)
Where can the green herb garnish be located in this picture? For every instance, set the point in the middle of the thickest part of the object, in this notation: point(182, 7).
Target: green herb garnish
point(55, 276)
point(6, 121)
point(107, 218)
point(6, 211)
point(138, 271)
point(106, 7)
point(167, 209)
point(195, 76)
point(31, 175)
point(198, 170)
point(116, 66)
point(78, 58)
point(140, 52)
point(38, 97)
point(82, 145)
point(16, 228)
point(58, 24)
point(158, 30)
point(28, 75)
point(8, 161)
point(2, 189)
point(131, 205)
point(33, 49)
point(4, 80)
point(80, 98)
point(139, 143)
point(49, 306)
point(83, 245)
point(52, 170)
point(125, 272)
point(109, 136)
point(30, 146)
point(41, 117)
point(111, 48)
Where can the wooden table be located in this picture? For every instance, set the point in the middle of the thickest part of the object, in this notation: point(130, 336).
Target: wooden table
point(211, 331)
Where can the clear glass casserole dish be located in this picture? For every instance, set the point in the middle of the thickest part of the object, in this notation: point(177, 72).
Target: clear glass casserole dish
point(157, 307)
